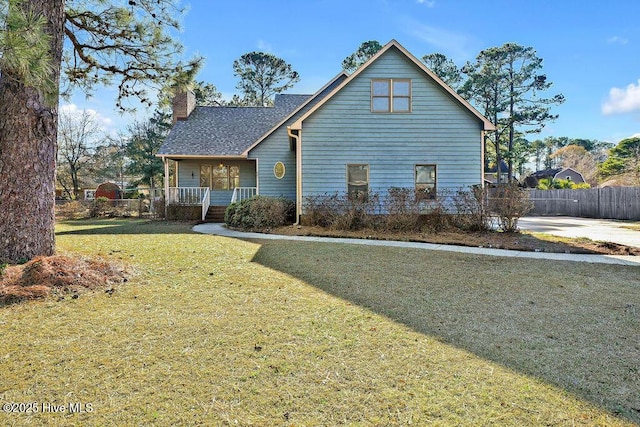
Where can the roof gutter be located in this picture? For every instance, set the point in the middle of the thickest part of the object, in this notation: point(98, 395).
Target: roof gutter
point(201, 156)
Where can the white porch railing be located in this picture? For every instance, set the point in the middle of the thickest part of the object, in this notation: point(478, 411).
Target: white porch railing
point(206, 202)
point(241, 193)
point(186, 195)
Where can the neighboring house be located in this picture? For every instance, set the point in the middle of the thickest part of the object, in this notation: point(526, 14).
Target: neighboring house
point(491, 173)
point(568, 174)
point(392, 123)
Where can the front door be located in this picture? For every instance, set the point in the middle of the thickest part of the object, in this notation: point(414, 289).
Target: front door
point(220, 177)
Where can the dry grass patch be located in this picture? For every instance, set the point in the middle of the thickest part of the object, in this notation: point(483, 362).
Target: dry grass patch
point(574, 325)
point(217, 331)
point(635, 227)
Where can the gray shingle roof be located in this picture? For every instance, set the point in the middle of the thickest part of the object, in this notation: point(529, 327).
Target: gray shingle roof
point(227, 131)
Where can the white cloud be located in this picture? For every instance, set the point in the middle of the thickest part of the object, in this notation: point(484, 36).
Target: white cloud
point(622, 100)
point(428, 3)
point(264, 46)
point(73, 110)
point(618, 40)
point(457, 46)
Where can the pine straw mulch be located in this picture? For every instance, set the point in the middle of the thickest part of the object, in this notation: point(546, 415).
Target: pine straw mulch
point(58, 276)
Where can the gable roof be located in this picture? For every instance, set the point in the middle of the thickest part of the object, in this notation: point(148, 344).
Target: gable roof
point(234, 131)
point(226, 131)
point(566, 170)
point(314, 99)
point(393, 44)
point(494, 168)
point(546, 173)
point(553, 173)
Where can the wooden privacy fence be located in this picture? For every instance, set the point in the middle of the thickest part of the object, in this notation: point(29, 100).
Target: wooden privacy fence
point(608, 202)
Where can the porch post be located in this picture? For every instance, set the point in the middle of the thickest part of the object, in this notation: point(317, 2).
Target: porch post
point(257, 177)
point(482, 143)
point(166, 185)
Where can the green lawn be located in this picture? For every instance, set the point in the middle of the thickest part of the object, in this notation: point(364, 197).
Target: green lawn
point(216, 331)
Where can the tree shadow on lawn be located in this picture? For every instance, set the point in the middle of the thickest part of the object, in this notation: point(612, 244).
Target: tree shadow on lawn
point(122, 226)
point(574, 325)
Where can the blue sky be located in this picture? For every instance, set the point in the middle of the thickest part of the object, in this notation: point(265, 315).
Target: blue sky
point(591, 49)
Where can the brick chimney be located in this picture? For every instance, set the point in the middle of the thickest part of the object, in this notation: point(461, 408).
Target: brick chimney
point(183, 104)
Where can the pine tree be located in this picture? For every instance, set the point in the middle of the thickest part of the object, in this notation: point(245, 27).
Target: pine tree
point(108, 43)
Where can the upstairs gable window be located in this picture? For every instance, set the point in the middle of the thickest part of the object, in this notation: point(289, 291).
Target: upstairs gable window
point(391, 95)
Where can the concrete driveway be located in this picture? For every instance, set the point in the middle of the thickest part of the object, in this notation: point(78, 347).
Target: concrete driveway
point(595, 229)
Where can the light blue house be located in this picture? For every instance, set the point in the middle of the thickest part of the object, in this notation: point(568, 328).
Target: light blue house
point(392, 123)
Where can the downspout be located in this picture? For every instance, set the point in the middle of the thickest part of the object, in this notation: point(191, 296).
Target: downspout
point(296, 136)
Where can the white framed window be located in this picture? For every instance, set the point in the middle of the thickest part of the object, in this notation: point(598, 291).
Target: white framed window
point(279, 170)
point(357, 180)
point(426, 182)
point(220, 177)
point(391, 95)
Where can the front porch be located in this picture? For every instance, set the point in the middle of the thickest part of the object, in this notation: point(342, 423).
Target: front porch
point(207, 185)
point(208, 199)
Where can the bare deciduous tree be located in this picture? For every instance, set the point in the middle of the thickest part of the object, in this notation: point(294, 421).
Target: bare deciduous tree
point(78, 135)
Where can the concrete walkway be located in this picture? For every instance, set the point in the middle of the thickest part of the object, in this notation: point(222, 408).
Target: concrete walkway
point(604, 230)
point(220, 230)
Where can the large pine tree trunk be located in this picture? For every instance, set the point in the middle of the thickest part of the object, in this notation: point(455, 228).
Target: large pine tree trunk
point(28, 132)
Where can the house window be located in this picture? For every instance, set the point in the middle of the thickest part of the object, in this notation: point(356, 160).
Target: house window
point(425, 182)
point(357, 180)
point(279, 170)
point(391, 95)
point(220, 177)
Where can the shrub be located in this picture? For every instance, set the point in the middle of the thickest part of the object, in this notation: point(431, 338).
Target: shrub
point(508, 203)
point(101, 206)
point(471, 208)
point(403, 210)
point(73, 209)
point(356, 211)
point(158, 205)
point(104, 207)
point(400, 209)
point(560, 184)
point(581, 186)
point(180, 212)
point(341, 211)
point(436, 220)
point(321, 210)
point(258, 213)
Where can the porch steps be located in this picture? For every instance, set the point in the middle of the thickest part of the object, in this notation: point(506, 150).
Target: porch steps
point(215, 214)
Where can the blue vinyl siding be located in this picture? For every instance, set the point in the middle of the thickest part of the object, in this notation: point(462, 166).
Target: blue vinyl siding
point(276, 148)
point(270, 151)
point(344, 131)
